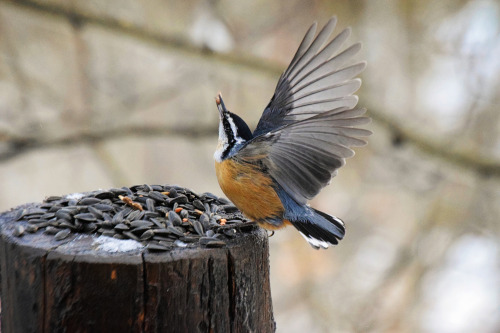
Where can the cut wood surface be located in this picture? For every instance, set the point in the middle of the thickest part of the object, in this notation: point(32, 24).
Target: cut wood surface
point(79, 285)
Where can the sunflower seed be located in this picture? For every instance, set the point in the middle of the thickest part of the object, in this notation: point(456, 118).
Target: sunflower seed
point(18, 231)
point(62, 234)
point(174, 218)
point(88, 201)
point(216, 243)
point(148, 234)
point(121, 227)
point(96, 212)
point(150, 204)
point(130, 235)
point(88, 217)
point(198, 228)
point(141, 223)
point(157, 247)
point(198, 204)
point(62, 214)
point(229, 208)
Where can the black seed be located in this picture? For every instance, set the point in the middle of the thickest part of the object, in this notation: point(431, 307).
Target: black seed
point(96, 212)
point(184, 213)
point(159, 222)
point(20, 214)
point(207, 208)
point(119, 191)
point(190, 239)
point(157, 196)
point(88, 201)
point(229, 232)
point(198, 228)
point(167, 243)
point(204, 219)
point(141, 223)
point(181, 199)
point(163, 209)
point(31, 228)
point(38, 221)
point(139, 230)
point(108, 233)
point(162, 231)
point(18, 231)
point(205, 240)
point(62, 214)
point(149, 214)
point(148, 234)
point(207, 196)
point(216, 243)
point(106, 224)
point(223, 201)
point(62, 234)
point(105, 195)
point(130, 235)
point(65, 224)
point(164, 238)
point(48, 216)
point(118, 218)
point(229, 208)
point(175, 231)
point(157, 247)
point(88, 217)
point(198, 204)
point(51, 230)
point(134, 215)
point(174, 218)
point(150, 204)
point(103, 207)
point(122, 227)
point(89, 227)
point(53, 198)
point(172, 192)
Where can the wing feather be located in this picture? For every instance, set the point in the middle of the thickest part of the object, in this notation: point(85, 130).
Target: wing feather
point(316, 80)
point(303, 156)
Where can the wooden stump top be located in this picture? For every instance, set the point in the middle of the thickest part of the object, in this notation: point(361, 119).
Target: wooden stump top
point(87, 283)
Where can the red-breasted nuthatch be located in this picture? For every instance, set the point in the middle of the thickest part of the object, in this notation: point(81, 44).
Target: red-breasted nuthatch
point(301, 140)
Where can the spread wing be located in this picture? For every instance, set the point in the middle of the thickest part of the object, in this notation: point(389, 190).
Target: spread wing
point(303, 156)
point(316, 80)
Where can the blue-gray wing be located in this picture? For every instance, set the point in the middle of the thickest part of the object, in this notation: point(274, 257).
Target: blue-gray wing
point(316, 80)
point(303, 156)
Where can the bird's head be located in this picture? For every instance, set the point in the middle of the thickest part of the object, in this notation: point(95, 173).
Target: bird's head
point(233, 131)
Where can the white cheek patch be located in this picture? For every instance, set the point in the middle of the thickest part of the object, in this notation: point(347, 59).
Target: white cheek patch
point(316, 243)
point(234, 130)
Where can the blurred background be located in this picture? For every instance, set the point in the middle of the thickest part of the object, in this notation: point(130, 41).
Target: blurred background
point(100, 94)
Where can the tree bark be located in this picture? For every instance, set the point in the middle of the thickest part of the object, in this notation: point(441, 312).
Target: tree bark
point(72, 286)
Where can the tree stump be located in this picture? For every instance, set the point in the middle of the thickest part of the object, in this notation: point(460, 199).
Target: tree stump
point(78, 286)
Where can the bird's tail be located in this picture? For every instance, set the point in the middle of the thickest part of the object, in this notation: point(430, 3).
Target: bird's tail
point(320, 229)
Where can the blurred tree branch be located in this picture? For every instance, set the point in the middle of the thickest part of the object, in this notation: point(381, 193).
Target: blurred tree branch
point(14, 146)
point(466, 159)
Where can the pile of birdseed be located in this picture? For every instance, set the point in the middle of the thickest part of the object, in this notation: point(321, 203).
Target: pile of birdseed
point(161, 217)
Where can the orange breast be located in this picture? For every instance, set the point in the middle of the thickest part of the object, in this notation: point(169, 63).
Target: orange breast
point(250, 190)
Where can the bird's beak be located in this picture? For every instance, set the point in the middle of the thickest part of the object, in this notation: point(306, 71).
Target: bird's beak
point(220, 105)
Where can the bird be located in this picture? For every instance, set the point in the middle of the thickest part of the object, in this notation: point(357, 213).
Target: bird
point(303, 137)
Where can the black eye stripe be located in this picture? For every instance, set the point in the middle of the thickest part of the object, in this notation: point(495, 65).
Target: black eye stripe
point(229, 131)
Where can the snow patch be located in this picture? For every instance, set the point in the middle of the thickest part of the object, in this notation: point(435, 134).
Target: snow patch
point(110, 244)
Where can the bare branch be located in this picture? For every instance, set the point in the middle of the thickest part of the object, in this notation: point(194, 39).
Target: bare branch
point(20, 145)
point(465, 159)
